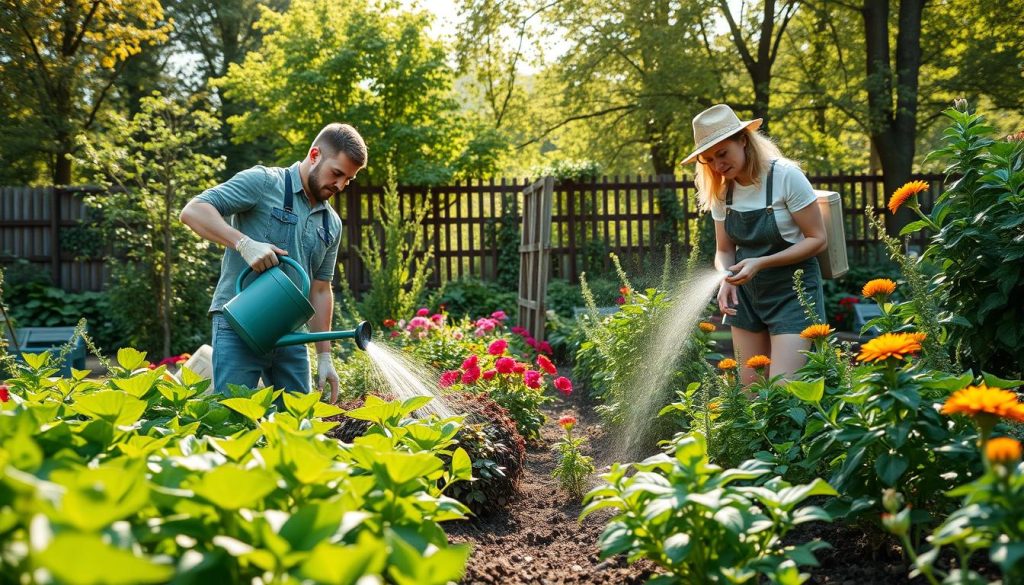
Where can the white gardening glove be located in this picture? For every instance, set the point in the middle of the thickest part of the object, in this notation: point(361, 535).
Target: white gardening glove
point(258, 255)
point(325, 371)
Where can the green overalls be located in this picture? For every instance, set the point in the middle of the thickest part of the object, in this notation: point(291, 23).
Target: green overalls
point(768, 301)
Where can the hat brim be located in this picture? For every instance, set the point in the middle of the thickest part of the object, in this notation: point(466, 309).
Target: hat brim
point(752, 124)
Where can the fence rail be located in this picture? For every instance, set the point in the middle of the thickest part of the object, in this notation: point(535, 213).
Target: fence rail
point(473, 227)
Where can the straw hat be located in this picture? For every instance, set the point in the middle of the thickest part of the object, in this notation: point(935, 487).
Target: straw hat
point(715, 124)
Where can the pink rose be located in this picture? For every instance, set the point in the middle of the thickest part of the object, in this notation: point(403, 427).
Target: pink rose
point(497, 347)
point(531, 378)
point(448, 378)
point(504, 365)
point(564, 385)
point(489, 374)
point(471, 375)
point(499, 315)
point(423, 312)
point(469, 362)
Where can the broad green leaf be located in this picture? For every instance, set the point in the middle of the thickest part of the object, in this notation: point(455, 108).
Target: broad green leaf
point(111, 406)
point(807, 391)
point(95, 498)
point(300, 404)
point(231, 487)
point(462, 467)
point(83, 559)
point(188, 377)
point(411, 404)
point(237, 446)
point(1007, 555)
point(324, 410)
point(401, 468)
point(139, 385)
point(247, 407)
point(344, 565)
point(131, 359)
point(997, 382)
point(36, 361)
point(890, 468)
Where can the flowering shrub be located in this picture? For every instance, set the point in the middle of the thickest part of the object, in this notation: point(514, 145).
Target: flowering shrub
point(687, 516)
point(198, 488)
point(573, 468)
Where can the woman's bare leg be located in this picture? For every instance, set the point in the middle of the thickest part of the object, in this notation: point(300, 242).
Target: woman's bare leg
point(747, 344)
point(786, 356)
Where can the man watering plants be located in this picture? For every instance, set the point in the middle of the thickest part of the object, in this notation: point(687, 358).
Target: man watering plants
point(265, 212)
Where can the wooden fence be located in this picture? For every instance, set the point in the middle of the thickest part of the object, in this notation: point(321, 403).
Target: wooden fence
point(473, 227)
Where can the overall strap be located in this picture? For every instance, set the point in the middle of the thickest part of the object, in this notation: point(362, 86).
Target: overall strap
point(768, 189)
point(327, 229)
point(289, 200)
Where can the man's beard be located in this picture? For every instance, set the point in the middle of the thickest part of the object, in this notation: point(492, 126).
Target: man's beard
point(317, 189)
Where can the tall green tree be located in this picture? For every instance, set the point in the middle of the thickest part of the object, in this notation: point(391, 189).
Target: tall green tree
point(161, 272)
point(637, 71)
point(371, 65)
point(219, 33)
point(61, 60)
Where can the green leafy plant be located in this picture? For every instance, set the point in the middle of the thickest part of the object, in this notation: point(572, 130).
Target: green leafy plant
point(161, 272)
point(398, 271)
point(573, 467)
point(145, 478)
point(690, 518)
point(975, 243)
point(468, 297)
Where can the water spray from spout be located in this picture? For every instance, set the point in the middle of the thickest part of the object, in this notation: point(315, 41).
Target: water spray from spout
point(406, 378)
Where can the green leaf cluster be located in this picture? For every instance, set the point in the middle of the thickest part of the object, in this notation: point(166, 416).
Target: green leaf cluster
point(700, 524)
point(147, 478)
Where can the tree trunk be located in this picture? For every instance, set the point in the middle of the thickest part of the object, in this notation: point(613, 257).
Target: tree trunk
point(892, 94)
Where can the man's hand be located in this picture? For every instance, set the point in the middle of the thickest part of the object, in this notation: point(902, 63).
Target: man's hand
point(325, 371)
point(258, 255)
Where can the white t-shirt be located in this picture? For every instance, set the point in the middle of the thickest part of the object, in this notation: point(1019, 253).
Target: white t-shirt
point(791, 191)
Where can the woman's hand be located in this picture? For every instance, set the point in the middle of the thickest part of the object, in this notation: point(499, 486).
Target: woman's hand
point(744, 270)
point(728, 298)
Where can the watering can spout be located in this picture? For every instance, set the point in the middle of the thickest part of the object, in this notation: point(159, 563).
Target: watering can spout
point(361, 335)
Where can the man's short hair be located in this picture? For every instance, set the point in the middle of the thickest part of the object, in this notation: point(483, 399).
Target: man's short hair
point(336, 137)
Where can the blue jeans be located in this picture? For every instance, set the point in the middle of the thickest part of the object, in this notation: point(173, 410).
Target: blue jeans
point(234, 363)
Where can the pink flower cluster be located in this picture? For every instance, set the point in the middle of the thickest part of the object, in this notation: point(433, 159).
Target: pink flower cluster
point(470, 371)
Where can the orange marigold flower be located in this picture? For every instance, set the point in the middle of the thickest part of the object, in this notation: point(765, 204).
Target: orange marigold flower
point(982, 400)
point(1003, 450)
point(624, 290)
point(890, 345)
point(878, 287)
point(707, 327)
point(727, 364)
point(713, 405)
point(904, 193)
point(817, 331)
point(759, 361)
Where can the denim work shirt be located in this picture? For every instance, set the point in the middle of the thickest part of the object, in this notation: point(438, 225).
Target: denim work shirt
point(253, 203)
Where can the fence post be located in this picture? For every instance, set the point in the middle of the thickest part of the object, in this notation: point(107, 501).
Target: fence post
point(55, 195)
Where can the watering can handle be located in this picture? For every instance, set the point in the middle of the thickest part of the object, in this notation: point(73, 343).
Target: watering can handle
point(298, 269)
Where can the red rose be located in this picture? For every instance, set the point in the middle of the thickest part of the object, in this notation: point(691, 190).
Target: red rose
point(505, 365)
point(546, 365)
point(489, 374)
point(389, 323)
point(471, 375)
point(448, 378)
point(564, 385)
point(497, 347)
point(469, 362)
point(5, 394)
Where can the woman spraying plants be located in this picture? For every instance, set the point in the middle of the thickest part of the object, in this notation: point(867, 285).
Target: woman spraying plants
point(766, 228)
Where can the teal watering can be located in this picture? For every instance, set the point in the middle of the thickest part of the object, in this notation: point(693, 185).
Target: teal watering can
point(267, 312)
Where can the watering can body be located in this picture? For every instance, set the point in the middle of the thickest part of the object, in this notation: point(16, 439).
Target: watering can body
point(266, 313)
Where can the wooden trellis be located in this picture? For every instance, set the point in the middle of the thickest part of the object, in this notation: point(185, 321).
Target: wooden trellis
point(534, 255)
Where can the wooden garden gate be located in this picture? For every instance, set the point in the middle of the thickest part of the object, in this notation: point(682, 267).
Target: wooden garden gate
point(534, 255)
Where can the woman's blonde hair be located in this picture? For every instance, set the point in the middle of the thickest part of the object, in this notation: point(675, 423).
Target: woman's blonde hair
point(759, 151)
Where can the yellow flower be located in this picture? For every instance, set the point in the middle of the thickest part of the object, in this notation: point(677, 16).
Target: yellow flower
point(759, 361)
point(727, 364)
point(713, 405)
point(1003, 450)
point(891, 345)
point(904, 193)
point(817, 331)
point(878, 287)
point(982, 400)
point(707, 327)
